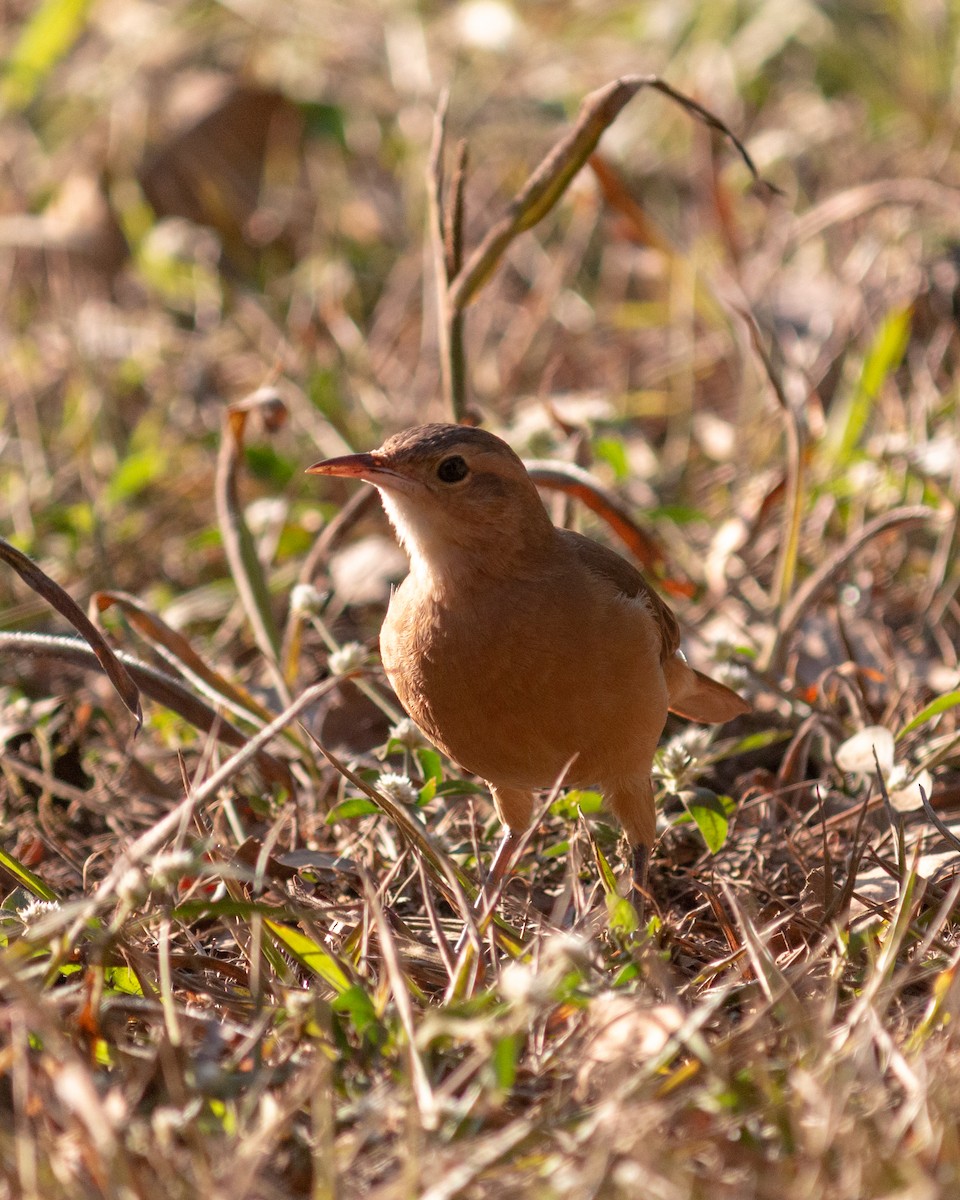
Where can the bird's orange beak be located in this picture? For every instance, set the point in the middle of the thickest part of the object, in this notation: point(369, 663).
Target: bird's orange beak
point(368, 467)
point(350, 466)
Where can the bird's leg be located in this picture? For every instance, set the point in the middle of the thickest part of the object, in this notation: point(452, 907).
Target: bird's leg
point(499, 868)
point(632, 802)
point(515, 809)
point(641, 863)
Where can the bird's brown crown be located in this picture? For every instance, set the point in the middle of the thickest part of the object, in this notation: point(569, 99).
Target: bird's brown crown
point(427, 442)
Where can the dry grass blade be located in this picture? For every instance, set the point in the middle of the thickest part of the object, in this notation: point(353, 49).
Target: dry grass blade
point(177, 651)
point(795, 437)
point(854, 202)
point(237, 542)
point(549, 181)
point(446, 241)
point(463, 1169)
point(426, 1104)
point(54, 594)
point(932, 816)
point(417, 837)
point(830, 570)
point(434, 919)
point(438, 245)
point(179, 818)
point(156, 685)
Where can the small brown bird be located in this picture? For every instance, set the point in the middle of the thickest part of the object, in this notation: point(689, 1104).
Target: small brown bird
point(517, 646)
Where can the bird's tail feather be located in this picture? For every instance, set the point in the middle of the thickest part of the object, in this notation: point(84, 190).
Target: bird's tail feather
point(698, 697)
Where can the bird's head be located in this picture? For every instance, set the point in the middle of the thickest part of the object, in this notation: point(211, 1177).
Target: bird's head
point(451, 491)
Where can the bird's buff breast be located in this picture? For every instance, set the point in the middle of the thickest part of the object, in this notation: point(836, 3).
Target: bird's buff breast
point(511, 684)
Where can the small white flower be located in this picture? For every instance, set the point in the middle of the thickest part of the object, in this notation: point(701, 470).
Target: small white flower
point(305, 598)
point(32, 912)
point(398, 788)
point(680, 759)
point(349, 658)
point(522, 983)
point(132, 886)
point(904, 793)
point(265, 515)
point(487, 24)
point(567, 950)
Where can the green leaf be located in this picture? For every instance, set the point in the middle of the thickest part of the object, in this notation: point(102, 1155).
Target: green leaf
point(269, 466)
point(623, 916)
point(136, 472)
point(350, 809)
point(325, 121)
point(358, 1007)
point(431, 764)
point(613, 452)
point(710, 815)
point(311, 955)
point(933, 709)
point(427, 792)
point(746, 745)
point(459, 787)
point(556, 850)
point(199, 910)
point(573, 803)
point(122, 981)
point(607, 877)
point(626, 974)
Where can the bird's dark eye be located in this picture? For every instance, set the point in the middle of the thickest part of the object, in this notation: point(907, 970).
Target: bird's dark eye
point(452, 469)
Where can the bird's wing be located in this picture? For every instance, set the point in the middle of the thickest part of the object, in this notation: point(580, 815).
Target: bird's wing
point(623, 575)
point(692, 694)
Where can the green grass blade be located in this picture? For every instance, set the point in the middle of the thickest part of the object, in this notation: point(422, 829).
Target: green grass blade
point(941, 705)
point(848, 420)
point(26, 878)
